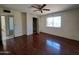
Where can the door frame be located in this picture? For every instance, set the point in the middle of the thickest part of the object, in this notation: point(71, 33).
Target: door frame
point(8, 15)
point(37, 25)
point(0, 32)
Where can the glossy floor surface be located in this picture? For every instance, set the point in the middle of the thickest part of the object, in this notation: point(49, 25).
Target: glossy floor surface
point(41, 44)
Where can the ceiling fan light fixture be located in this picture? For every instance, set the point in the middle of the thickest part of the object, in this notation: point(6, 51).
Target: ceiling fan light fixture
point(40, 7)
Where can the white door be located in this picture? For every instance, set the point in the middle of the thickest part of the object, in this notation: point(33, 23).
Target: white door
point(3, 27)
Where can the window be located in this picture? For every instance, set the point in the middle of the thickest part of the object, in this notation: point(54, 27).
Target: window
point(50, 22)
point(54, 21)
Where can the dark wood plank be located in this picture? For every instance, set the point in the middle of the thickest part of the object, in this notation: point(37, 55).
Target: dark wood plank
point(42, 44)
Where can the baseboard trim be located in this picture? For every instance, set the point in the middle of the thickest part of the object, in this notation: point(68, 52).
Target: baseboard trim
point(59, 37)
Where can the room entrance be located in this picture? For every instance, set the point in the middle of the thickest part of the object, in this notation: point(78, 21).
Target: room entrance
point(35, 25)
point(0, 33)
point(6, 28)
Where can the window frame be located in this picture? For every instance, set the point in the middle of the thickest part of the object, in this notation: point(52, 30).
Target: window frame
point(53, 22)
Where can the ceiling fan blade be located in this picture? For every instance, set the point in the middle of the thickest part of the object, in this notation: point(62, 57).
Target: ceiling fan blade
point(35, 7)
point(43, 6)
point(46, 9)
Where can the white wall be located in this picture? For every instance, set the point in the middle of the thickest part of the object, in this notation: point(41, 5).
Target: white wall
point(24, 23)
point(69, 24)
point(29, 23)
point(1, 10)
point(18, 23)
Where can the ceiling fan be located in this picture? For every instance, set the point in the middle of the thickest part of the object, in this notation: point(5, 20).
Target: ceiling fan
point(40, 7)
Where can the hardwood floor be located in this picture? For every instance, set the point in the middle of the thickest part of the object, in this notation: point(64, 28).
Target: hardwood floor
point(42, 44)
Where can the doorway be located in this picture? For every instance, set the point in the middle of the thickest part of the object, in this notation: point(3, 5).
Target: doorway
point(6, 31)
point(6, 28)
point(35, 25)
point(0, 33)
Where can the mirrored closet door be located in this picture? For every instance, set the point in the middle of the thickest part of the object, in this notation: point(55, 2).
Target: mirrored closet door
point(7, 28)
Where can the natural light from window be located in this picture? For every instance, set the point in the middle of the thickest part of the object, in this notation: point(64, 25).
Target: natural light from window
point(54, 22)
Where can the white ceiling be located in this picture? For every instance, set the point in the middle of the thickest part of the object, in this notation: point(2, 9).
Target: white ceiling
point(53, 8)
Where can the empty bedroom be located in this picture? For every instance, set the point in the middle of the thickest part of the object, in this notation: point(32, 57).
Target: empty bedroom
point(39, 29)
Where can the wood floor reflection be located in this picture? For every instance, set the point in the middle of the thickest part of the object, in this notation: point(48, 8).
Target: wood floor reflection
point(41, 44)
